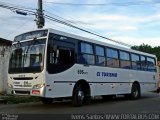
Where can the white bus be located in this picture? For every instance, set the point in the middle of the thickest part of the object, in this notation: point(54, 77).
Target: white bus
point(52, 64)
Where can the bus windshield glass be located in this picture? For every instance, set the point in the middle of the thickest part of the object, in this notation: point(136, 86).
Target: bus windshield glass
point(27, 56)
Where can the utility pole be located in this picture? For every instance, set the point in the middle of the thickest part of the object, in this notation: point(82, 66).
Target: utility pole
point(40, 18)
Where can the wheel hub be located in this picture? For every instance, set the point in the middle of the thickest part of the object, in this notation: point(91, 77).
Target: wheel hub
point(81, 95)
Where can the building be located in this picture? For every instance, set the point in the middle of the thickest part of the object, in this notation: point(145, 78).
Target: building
point(4, 60)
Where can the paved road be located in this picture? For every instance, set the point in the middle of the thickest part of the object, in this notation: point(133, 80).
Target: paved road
point(149, 103)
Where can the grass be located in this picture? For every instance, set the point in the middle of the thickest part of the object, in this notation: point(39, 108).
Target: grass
point(11, 99)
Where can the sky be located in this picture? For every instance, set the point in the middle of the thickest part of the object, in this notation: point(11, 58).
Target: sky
point(131, 22)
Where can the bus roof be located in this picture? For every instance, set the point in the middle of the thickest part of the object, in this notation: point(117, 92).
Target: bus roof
point(93, 41)
point(98, 42)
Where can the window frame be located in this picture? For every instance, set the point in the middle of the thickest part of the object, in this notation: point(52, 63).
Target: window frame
point(154, 70)
point(114, 58)
point(139, 56)
point(80, 43)
point(99, 56)
point(125, 60)
point(67, 44)
point(143, 67)
point(80, 54)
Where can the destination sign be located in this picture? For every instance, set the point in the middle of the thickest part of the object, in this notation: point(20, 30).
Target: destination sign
point(31, 35)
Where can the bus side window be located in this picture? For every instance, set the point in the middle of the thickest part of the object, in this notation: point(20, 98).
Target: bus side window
point(53, 54)
point(62, 56)
point(125, 60)
point(66, 56)
point(135, 62)
point(112, 58)
point(100, 59)
point(86, 55)
point(143, 63)
point(151, 65)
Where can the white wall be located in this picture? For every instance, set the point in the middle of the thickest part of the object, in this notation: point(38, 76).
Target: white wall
point(4, 60)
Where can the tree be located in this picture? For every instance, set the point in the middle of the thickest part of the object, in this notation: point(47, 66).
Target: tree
point(148, 49)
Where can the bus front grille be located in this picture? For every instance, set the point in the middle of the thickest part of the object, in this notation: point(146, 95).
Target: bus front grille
point(23, 78)
point(22, 92)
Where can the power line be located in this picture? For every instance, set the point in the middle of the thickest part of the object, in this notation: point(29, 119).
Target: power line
point(76, 4)
point(18, 10)
point(73, 21)
point(19, 6)
point(58, 26)
point(106, 4)
point(12, 8)
point(19, 27)
point(25, 11)
point(81, 29)
point(62, 22)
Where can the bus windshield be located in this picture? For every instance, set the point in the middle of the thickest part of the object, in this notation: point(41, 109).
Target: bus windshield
point(27, 56)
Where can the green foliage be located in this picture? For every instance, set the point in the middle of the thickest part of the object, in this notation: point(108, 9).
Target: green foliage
point(11, 99)
point(148, 49)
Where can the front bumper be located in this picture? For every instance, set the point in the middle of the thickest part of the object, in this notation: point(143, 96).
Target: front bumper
point(29, 92)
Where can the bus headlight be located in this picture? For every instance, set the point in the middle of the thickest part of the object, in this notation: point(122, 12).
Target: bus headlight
point(38, 86)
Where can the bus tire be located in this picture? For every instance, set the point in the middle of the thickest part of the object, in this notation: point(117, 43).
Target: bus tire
point(135, 92)
point(78, 96)
point(47, 100)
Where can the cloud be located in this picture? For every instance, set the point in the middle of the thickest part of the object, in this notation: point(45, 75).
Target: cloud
point(126, 24)
point(138, 40)
point(110, 22)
